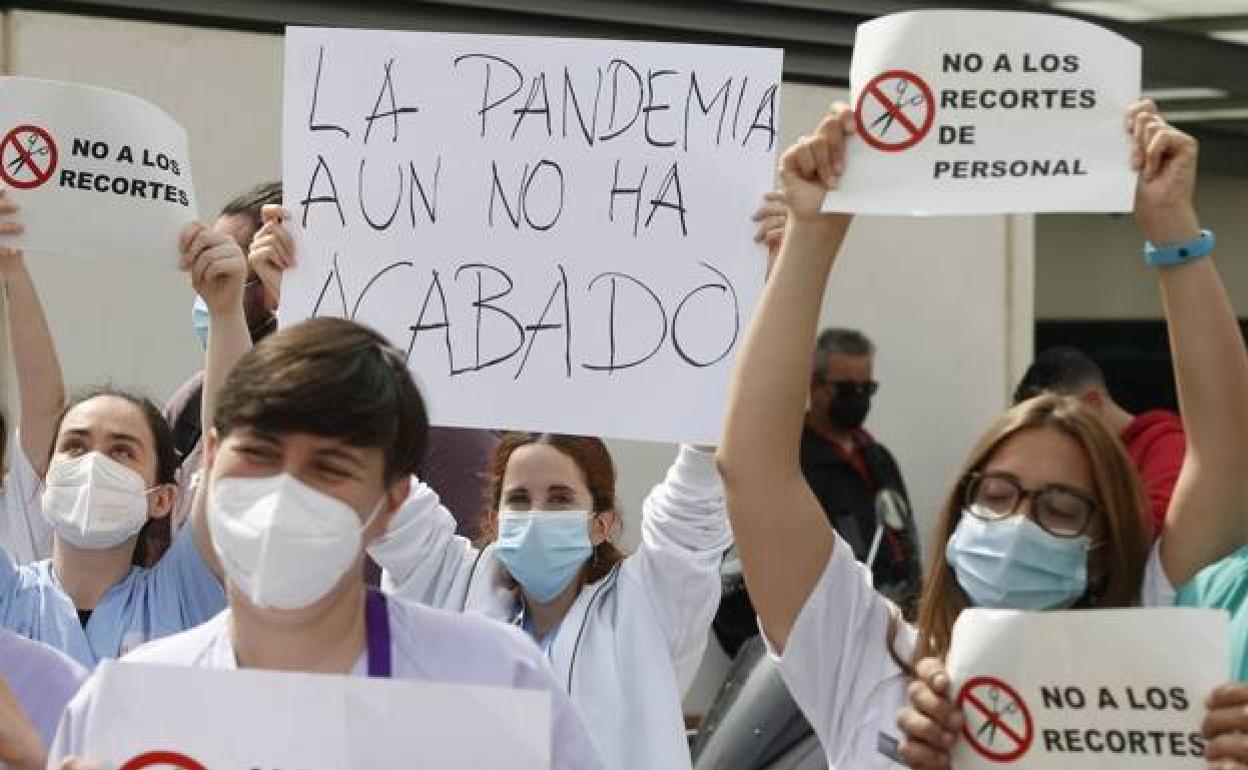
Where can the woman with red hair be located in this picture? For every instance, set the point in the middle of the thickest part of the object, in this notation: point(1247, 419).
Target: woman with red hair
point(625, 634)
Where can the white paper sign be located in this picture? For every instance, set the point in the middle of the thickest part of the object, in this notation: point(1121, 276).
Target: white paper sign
point(984, 112)
point(192, 718)
point(1104, 689)
point(97, 173)
point(556, 231)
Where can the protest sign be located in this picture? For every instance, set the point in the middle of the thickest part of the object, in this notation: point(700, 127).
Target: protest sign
point(1103, 689)
point(97, 173)
point(985, 112)
point(545, 227)
point(147, 716)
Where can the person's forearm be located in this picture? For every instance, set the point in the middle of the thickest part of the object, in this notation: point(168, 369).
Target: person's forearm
point(1211, 373)
point(41, 386)
point(767, 399)
point(228, 341)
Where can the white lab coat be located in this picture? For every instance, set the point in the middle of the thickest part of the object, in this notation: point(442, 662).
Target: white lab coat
point(631, 643)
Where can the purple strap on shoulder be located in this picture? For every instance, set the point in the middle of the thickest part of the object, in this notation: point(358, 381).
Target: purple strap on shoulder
point(377, 628)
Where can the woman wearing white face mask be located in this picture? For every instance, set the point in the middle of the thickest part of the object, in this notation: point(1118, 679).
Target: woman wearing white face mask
point(625, 635)
point(311, 452)
point(110, 467)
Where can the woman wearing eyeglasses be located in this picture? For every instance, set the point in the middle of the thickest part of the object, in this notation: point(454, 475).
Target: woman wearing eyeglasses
point(1047, 512)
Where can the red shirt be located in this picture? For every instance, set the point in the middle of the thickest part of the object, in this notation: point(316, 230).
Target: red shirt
point(1156, 442)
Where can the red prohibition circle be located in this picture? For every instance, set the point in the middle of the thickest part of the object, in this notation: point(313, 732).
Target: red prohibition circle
point(40, 173)
point(155, 758)
point(966, 696)
point(913, 133)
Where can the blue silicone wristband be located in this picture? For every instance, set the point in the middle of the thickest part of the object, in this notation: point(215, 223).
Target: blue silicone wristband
point(1179, 253)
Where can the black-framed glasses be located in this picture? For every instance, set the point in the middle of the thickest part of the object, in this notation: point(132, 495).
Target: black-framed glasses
point(854, 387)
point(1059, 510)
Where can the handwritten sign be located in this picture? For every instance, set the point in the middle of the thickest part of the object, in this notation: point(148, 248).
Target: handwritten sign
point(1103, 689)
point(982, 112)
point(142, 718)
point(555, 231)
point(97, 173)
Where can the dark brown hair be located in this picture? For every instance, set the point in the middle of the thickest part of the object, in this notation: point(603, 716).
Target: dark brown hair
point(332, 378)
point(249, 204)
point(594, 462)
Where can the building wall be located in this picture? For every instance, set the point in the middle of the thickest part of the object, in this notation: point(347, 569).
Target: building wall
point(1089, 266)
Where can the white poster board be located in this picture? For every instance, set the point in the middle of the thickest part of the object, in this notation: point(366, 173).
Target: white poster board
point(97, 173)
point(988, 112)
point(161, 717)
point(1104, 689)
point(557, 232)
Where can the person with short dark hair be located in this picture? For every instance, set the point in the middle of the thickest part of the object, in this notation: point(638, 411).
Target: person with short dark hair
point(1154, 439)
point(847, 467)
point(313, 442)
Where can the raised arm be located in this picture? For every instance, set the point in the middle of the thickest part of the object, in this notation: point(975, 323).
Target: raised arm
point(684, 533)
point(1208, 514)
point(217, 268)
point(782, 534)
point(40, 385)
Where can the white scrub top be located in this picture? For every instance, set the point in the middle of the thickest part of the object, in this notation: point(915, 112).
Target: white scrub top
point(426, 645)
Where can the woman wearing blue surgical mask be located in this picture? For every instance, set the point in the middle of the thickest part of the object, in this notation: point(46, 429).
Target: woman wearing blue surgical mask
point(103, 471)
point(624, 634)
point(1046, 513)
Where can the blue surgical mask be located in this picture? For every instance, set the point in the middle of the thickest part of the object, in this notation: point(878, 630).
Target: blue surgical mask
point(1014, 564)
point(199, 318)
point(544, 550)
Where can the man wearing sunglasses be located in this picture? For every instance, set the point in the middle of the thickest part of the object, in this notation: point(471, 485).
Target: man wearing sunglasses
point(847, 468)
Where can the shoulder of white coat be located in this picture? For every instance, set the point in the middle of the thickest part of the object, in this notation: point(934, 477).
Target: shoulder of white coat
point(188, 648)
point(458, 647)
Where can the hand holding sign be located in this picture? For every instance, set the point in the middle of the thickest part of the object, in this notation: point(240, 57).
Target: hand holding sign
point(931, 724)
point(1226, 726)
point(815, 163)
point(216, 265)
point(1166, 160)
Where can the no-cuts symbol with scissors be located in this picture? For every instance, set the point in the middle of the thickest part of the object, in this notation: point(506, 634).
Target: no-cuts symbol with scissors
point(159, 760)
point(27, 157)
point(998, 724)
point(895, 111)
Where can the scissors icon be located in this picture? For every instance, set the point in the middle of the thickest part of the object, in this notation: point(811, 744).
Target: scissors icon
point(902, 102)
point(994, 720)
point(18, 163)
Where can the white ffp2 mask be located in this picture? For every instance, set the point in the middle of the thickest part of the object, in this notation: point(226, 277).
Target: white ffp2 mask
point(94, 502)
point(281, 542)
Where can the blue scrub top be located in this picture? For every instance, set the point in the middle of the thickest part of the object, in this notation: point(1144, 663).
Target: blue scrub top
point(1224, 586)
point(180, 592)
